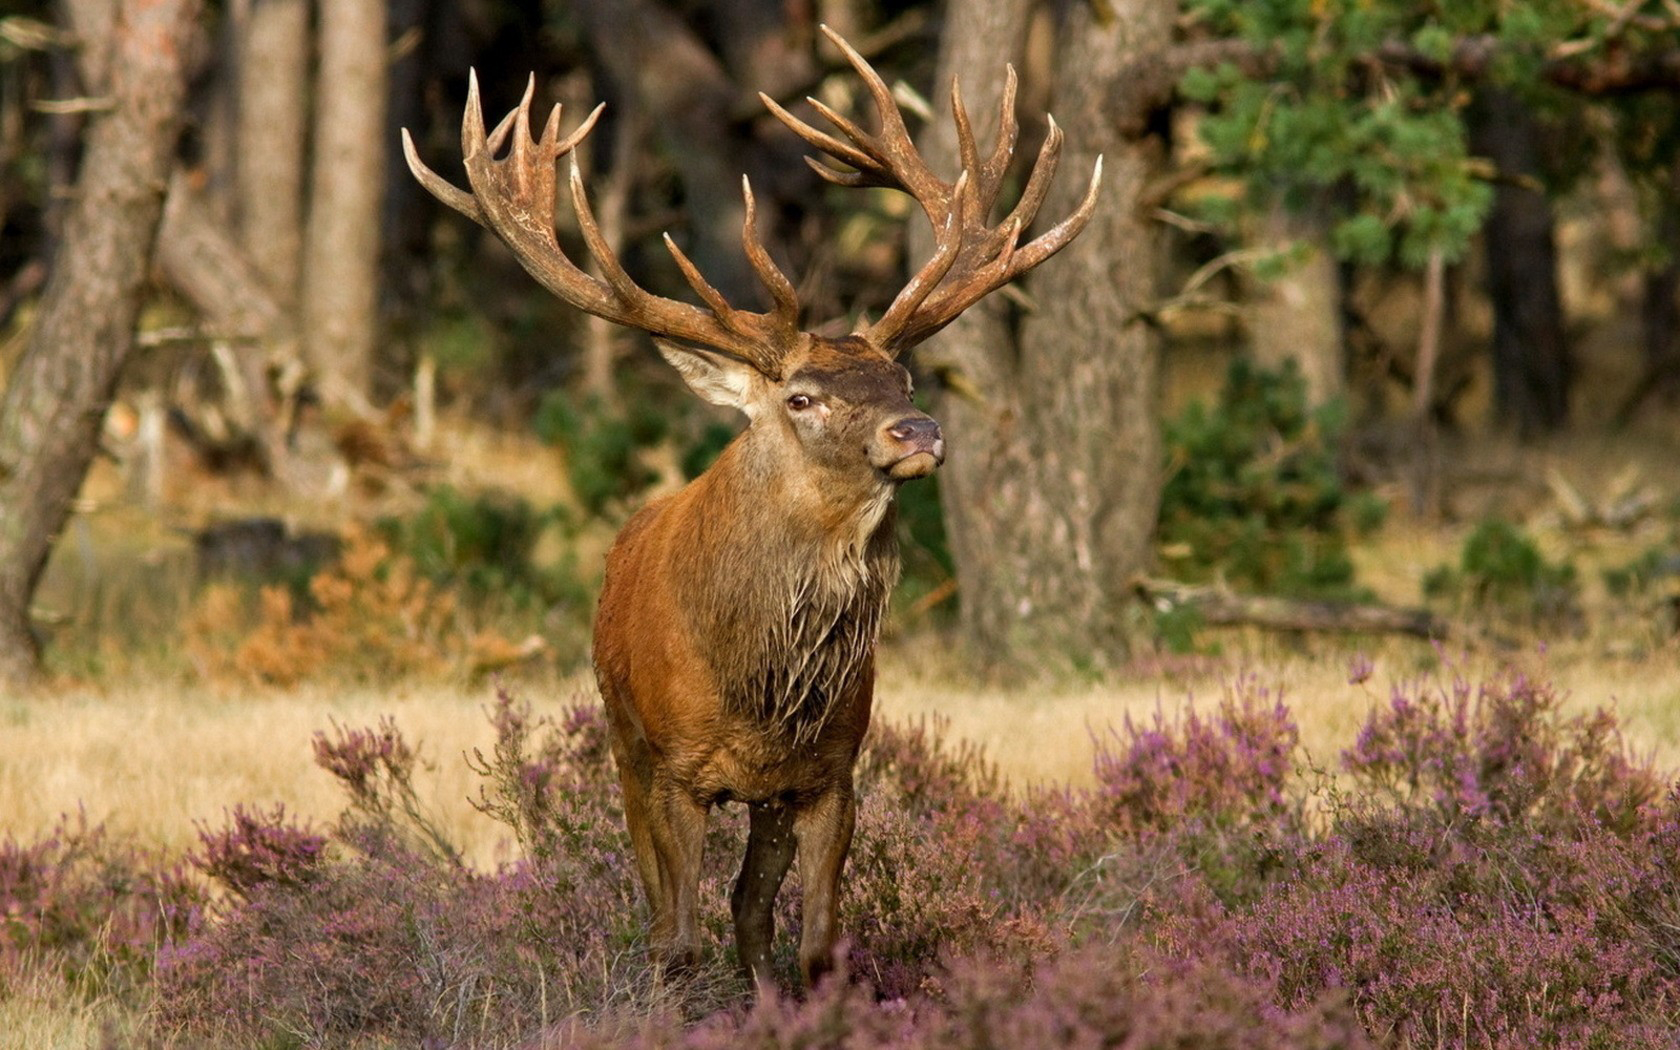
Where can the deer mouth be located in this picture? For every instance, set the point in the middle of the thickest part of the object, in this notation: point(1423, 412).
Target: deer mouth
point(917, 464)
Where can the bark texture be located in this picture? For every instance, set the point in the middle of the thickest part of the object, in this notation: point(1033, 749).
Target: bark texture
point(273, 121)
point(341, 243)
point(1531, 367)
point(1052, 488)
point(201, 261)
point(1296, 315)
point(55, 401)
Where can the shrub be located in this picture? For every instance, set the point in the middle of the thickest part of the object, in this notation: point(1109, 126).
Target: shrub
point(371, 617)
point(1501, 571)
point(1503, 751)
point(482, 546)
point(259, 848)
point(90, 907)
point(1253, 494)
point(1491, 871)
point(602, 445)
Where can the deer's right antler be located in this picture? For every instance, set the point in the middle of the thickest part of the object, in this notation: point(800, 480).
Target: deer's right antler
point(970, 258)
point(513, 197)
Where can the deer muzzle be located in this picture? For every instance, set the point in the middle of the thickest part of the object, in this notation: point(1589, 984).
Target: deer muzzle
point(915, 448)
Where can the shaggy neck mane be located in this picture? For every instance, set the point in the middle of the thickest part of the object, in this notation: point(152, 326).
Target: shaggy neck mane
point(785, 597)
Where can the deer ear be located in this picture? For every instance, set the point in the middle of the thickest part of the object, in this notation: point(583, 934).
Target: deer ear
point(720, 380)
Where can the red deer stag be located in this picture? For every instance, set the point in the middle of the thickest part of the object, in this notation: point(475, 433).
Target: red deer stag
point(735, 638)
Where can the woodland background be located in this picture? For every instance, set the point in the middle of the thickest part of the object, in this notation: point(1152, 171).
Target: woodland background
point(1367, 368)
point(1434, 235)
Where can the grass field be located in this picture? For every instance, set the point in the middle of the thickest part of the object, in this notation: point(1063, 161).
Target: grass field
point(154, 761)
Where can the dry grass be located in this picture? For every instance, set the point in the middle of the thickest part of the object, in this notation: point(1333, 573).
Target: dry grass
point(1048, 735)
point(152, 760)
point(155, 760)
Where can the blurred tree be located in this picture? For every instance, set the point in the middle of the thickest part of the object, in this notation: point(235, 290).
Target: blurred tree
point(55, 400)
point(1531, 366)
point(1052, 487)
point(273, 95)
point(341, 241)
point(1293, 311)
point(1372, 101)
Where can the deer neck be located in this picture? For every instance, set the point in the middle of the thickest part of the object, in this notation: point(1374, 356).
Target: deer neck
point(791, 575)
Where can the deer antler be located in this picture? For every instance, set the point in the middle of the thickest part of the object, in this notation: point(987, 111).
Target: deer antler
point(970, 258)
point(513, 197)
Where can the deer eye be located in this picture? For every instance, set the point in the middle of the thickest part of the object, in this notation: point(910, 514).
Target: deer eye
point(799, 402)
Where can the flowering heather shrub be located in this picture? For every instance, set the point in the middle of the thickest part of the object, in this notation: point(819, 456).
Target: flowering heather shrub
point(1503, 750)
point(90, 907)
point(1441, 940)
point(1502, 877)
point(1103, 996)
point(1208, 793)
point(1232, 769)
point(1499, 874)
point(258, 848)
point(376, 768)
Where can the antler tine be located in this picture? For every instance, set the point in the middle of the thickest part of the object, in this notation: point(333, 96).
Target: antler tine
point(520, 121)
point(892, 121)
point(886, 159)
point(703, 288)
point(1038, 180)
point(943, 306)
point(821, 140)
point(786, 312)
point(581, 132)
point(947, 247)
point(1058, 236)
point(966, 147)
point(625, 289)
point(472, 118)
point(438, 186)
point(989, 173)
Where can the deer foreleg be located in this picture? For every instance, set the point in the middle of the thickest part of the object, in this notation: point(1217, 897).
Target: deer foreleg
point(635, 774)
point(823, 829)
point(770, 849)
point(677, 826)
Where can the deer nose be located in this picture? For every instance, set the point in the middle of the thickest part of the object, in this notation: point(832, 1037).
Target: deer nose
point(918, 429)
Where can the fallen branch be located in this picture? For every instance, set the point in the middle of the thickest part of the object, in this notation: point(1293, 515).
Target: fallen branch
point(1223, 608)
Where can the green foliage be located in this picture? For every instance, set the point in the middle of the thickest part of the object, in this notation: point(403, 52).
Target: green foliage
point(1642, 572)
point(459, 341)
point(1502, 571)
point(1253, 494)
point(705, 451)
point(923, 544)
point(601, 445)
point(484, 544)
point(1330, 119)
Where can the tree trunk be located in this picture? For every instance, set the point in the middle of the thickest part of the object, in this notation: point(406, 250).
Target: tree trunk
point(273, 120)
point(1052, 488)
point(341, 245)
point(1296, 315)
point(1659, 311)
point(199, 260)
point(1531, 365)
point(55, 401)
